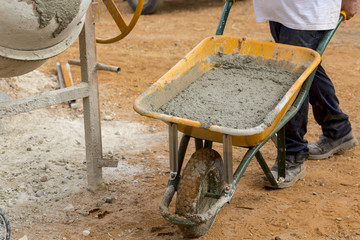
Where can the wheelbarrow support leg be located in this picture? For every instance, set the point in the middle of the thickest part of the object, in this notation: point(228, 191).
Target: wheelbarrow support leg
point(184, 142)
point(281, 155)
point(199, 144)
point(228, 164)
point(173, 150)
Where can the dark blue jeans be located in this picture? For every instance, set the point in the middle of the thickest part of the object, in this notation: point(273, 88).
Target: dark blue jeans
point(334, 123)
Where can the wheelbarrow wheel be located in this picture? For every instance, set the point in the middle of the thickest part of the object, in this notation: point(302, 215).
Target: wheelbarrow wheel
point(200, 186)
point(4, 226)
point(150, 6)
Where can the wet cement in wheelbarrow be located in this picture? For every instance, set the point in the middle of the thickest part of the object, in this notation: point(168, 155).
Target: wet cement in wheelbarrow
point(239, 93)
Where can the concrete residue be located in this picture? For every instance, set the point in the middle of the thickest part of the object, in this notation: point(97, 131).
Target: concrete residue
point(238, 93)
point(64, 11)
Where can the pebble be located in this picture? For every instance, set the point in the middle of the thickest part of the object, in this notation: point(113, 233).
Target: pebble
point(28, 149)
point(39, 193)
point(44, 179)
point(10, 204)
point(24, 238)
point(44, 166)
point(314, 193)
point(86, 233)
point(108, 118)
point(69, 208)
point(108, 199)
point(117, 133)
point(69, 168)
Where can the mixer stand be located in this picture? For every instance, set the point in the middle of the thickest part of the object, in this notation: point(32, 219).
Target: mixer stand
point(87, 90)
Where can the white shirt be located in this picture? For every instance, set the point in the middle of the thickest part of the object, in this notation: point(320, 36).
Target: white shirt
point(299, 14)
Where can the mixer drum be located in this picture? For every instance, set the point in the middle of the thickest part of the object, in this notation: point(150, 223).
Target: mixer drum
point(31, 31)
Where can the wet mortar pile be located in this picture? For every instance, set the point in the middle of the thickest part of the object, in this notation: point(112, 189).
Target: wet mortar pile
point(238, 93)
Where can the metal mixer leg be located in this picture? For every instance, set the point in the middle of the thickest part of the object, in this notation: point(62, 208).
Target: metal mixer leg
point(91, 104)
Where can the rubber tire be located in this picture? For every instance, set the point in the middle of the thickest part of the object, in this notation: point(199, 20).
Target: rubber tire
point(203, 173)
point(150, 6)
point(4, 225)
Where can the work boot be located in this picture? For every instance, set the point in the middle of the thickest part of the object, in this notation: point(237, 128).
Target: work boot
point(326, 147)
point(294, 170)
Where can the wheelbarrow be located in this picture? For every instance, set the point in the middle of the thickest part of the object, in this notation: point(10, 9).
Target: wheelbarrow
point(207, 182)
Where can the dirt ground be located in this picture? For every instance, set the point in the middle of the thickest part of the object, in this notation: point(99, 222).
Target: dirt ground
point(42, 153)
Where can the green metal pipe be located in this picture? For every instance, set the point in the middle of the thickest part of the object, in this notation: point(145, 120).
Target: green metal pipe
point(184, 142)
point(266, 169)
point(281, 152)
point(198, 143)
point(224, 17)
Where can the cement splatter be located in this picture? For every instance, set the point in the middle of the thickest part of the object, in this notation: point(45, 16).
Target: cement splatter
point(63, 12)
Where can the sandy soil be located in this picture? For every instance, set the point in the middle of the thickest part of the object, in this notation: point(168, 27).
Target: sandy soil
point(42, 156)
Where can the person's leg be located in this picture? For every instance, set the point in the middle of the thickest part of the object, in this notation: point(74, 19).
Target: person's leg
point(325, 104)
point(334, 123)
point(337, 135)
point(296, 128)
point(322, 89)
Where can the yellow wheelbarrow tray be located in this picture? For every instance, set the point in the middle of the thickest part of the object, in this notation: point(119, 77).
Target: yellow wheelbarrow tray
point(198, 62)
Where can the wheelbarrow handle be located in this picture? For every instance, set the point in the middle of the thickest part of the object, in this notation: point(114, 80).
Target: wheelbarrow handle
point(224, 17)
point(323, 44)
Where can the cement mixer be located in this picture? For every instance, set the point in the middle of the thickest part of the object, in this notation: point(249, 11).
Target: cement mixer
point(32, 31)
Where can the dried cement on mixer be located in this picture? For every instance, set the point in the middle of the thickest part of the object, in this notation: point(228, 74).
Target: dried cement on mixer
point(238, 93)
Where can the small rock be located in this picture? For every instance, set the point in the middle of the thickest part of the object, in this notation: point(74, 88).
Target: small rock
point(108, 118)
point(69, 168)
point(44, 179)
point(117, 133)
point(24, 238)
point(151, 129)
point(86, 233)
point(83, 213)
point(44, 166)
point(69, 208)
point(339, 219)
point(108, 199)
point(39, 193)
point(28, 149)
point(314, 193)
point(10, 204)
